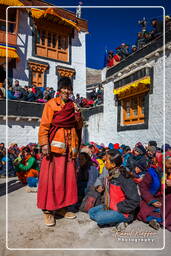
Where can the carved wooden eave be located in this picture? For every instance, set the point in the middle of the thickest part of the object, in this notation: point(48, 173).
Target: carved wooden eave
point(65, 72)
point(37, 67)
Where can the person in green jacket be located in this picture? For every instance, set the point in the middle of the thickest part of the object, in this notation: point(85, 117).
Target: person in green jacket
point(26, 166)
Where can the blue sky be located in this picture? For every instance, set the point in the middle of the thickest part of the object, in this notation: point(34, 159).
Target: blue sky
point(109, 27)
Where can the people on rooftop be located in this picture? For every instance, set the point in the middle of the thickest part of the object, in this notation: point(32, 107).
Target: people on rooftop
point(143, 38)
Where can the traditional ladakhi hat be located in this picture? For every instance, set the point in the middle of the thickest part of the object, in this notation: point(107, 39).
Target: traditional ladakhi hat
point(111, 146)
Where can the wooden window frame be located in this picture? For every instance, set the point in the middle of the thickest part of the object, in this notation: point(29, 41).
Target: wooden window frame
point(133, 119)
point(38, 69)
point(48, 51)
point(12, 36)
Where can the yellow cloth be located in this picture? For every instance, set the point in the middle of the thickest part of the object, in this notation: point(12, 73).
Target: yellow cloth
point(101, 165)
point(11, 52)
point(11, 2)
point(135, 84)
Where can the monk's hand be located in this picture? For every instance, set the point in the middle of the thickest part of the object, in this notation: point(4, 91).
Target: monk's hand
point(45, 150)
point(157, 204)
point(76, 107)
point(168, 183)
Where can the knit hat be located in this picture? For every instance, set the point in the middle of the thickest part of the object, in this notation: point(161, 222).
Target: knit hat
point(127, 148)
point(110, 146)
point(166, 147)
point(142, 164)
point(116, 145)
point(152, 143)
point(140, 149)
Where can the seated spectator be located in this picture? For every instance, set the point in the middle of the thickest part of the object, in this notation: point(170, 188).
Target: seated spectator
point(139, 172)
point(110, 59)
point(121, 195)
point(147, 37)
point(126, 154)
point(39, 93)
point(11, 94)
point(113, 59)
point(11, 170)
point(123, 51)
point(51, 92)
point(17, 90)
point(166, 148)
point(168, 192)
point(24, 93)
point(134, 48)
point(87, 175)
point(26, 165)
point(1, 94)
point(139, 153)
point(151, 194)
point(158, 28)
point(31, 96)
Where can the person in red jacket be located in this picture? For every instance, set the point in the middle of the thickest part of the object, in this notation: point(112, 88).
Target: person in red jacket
point(121, 195)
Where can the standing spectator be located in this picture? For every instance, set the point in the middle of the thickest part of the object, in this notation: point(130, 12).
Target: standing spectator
point(140, 41)
point(93, 95)
point(157, 28)
point(99, 95)
point(78, 100)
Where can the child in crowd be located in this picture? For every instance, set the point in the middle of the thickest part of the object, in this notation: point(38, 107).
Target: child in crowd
point(26, 167)
point(126, 154)
point(87, 175)
point(139, 153)
point(139, 171)
point(120, 192)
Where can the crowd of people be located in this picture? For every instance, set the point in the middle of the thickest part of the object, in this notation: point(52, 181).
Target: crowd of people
point(95, 98)
point(116, 184)
point(42, 95)
point(143, 38)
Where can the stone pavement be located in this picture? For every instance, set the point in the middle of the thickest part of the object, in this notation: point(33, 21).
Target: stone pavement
point(27, 232)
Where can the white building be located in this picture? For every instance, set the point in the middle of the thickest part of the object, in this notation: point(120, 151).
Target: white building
point(47, 43)
point(136, 99)
point(44, 44)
